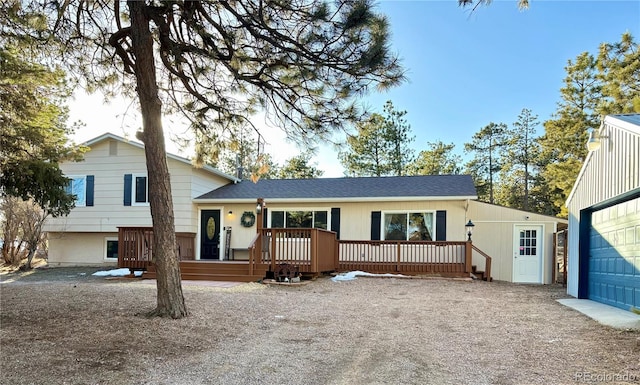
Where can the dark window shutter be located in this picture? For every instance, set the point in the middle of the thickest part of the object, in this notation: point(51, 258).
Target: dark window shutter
point(127, 189)
point(89, 192)
point(441, 225)
point(335, 221)
point(376, 218)
point(265, 225)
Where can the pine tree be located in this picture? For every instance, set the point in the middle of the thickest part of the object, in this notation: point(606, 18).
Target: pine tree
point(380, 146)
point(486, 145)
point(562, 147)
point(298, 167)
point(619, 70)
point(397, 133)
point(520, 158)
point(438, 159)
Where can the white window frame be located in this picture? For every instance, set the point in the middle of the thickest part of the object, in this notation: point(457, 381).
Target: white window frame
point(134, 178)
point(106, 243)
point(313, 210)
point(71, 178)
point(383, 231)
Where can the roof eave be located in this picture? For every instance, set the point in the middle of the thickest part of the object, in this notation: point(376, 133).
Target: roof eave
point(337, 199)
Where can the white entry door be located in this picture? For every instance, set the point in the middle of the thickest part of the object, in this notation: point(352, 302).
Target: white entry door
point(527, 254)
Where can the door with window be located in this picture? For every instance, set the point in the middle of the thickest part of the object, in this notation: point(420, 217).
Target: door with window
point(527, 254)
point(210, 234)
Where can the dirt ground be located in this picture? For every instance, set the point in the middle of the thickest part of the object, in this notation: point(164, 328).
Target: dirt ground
point(65, 326)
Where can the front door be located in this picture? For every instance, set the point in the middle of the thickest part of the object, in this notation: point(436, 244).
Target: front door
point(527, 254)
point(210, 234)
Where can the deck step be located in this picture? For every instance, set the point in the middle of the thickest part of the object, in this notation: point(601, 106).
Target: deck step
point(211, 277)
point(215, 271)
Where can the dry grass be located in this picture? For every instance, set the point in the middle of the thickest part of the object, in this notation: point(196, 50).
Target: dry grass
point(59, 326)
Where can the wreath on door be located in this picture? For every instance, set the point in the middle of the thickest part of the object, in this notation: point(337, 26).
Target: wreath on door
point(248, 219)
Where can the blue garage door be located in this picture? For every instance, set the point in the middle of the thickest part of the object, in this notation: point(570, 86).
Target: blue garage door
point(614, 255)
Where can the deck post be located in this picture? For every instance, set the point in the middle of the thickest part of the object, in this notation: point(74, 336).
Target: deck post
point(252, 251)
point(120, 247)
point(259, 222)
point(314, 249)
point(336, 253)
point(467, 260)
point(398, 256)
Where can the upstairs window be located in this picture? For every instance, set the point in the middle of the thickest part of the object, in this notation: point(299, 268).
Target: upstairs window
point(141, 195)
point(136, 190)
point(81, 186)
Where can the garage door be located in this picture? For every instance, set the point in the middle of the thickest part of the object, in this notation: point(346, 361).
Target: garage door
point(614, 255)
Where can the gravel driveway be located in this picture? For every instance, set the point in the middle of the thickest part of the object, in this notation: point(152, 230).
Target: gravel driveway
point(64, 326)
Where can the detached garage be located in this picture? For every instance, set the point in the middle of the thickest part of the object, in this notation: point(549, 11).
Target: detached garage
point(604, 217)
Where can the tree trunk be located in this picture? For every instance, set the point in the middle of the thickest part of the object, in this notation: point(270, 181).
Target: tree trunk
point(32, 252)
point(170, 297)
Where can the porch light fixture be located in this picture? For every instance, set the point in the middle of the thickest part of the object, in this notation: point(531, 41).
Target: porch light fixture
point(230, 212)
point(595, 136)
point(259, 206)
point(469, 226)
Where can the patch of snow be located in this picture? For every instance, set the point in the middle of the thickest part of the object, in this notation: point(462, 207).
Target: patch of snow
point(351, 275)
point(112, 273)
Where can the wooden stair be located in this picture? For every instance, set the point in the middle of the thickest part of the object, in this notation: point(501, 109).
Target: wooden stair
point(478, 273)
point(215, 271)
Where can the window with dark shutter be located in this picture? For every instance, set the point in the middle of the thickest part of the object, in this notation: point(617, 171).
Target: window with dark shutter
point(128, 178)
point(335, 221)
point(376, 217)
point(441, 225)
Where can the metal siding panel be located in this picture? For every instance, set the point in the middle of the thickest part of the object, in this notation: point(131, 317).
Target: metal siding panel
point(573, 237)
point(614, 272)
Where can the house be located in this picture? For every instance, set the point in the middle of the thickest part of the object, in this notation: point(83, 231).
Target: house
point(112, 191)
point(218, 212)
point(604, 217)
point(383, 208)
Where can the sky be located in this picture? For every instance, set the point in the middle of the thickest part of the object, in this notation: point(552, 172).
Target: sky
point(465, 69)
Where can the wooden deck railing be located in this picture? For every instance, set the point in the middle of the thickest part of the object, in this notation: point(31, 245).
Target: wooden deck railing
point(311, 250)
point(316, 251)
point(135, 246)
point(414, 257)
point(487, 263)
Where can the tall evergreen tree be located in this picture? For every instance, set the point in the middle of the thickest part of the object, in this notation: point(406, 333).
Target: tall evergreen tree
point(298, 167)
point(438, 159)
point(35, 133)
point(397, 133)
point(380, 146)
point(619, 70)
point(368, 150)
point(486, 145)
point(219, 62)
point(562, 146)
point(520, 158)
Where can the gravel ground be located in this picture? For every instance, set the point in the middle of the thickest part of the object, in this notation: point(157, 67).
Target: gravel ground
point(64, 326)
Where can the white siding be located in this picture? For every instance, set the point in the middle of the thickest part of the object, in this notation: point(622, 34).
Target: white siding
point(355, 218)
point(494, 234)
point(109, 211)
point(84, 249)
point(607, 173)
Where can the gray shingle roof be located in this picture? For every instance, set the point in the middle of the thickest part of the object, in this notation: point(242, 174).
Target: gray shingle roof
point(430, 186)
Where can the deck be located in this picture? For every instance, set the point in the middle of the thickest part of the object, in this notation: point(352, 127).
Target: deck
point(308, 252)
